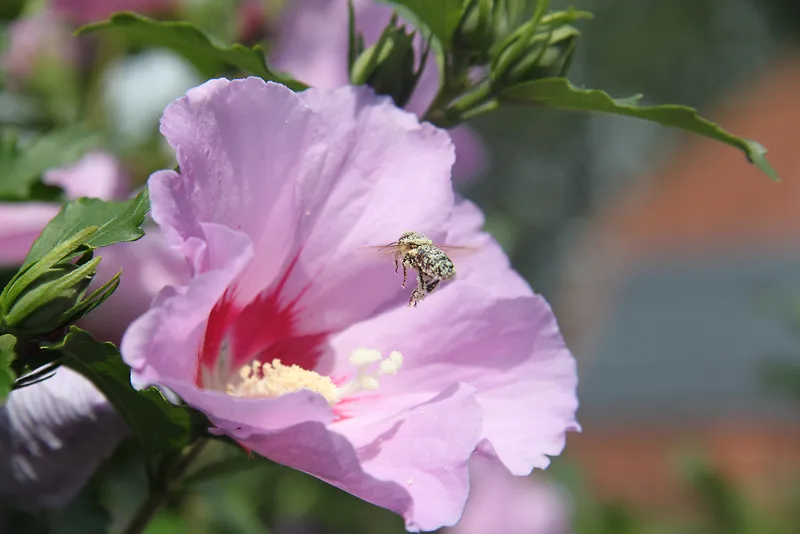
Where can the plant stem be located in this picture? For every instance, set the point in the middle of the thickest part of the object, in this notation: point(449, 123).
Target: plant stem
point(146, 512)
point(160, 494)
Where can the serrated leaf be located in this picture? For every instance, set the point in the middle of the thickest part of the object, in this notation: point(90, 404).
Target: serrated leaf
point(159, 425)
point(116, 222)
point(20, 170)
point(7, 356)
point(211, 57)
point(560, 93)
point(441, 17)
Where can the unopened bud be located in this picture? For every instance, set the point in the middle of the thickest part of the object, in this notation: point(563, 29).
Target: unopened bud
point(388, 65)
point(475, 32)
point(544, 55)
point(49, 293)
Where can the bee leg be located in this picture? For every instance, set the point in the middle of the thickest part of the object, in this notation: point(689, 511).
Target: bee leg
point(419, 292)
point(421, 285)
point(396, 262)
point(416, 296)
point(405, 275)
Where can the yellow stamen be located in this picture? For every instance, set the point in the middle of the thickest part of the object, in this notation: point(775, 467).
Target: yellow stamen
point(258, 379)
point(273, 379)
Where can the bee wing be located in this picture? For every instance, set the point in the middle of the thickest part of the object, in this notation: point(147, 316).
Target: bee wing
point(378, 250)
point(457, 251)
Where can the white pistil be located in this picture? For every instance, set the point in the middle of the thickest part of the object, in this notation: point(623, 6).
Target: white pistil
point(366, 380)
point(274, 379)
point(392, 364)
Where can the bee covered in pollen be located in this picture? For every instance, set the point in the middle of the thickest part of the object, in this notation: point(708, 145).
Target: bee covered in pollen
point(418, 252)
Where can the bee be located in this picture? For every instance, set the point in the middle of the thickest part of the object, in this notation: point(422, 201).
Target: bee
point(418, 252)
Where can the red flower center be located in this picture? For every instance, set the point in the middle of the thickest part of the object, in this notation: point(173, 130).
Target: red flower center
point(264, 330)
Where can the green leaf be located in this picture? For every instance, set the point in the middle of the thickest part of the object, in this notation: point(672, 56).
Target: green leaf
point(20, 170)
point(560, 93)
point(211, 57)
point(159, 425)
point(116, 222)
point(7, 355)
point(440, 17)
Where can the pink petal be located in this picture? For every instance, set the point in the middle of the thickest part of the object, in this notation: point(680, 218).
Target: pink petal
point(312, 45)
point(33, 41)
point(161, 346)
point(471, 157)
point(414, 464)
point(242, 417)
point(321, 188)
point(234, 170)
point(53, 435)
point(147, 266)
point(379, 160)
point(96, 174)
point(484, 263)
point(509, 349)
point(501, 502)
point(20, 225)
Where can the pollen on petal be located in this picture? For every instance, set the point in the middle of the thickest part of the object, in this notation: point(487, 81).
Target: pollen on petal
point(258, 379)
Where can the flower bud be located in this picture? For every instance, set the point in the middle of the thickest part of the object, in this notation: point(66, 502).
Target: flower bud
point(49, 293)
point(527, 58)
point(475, 32)
point(388, 65)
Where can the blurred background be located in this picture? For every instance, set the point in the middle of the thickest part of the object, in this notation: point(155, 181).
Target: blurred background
point(673, 267)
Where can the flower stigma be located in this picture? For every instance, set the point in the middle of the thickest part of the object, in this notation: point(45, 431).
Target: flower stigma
point(257, 379)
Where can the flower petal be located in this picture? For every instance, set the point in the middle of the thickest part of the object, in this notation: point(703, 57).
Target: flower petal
point(240, 145)
point(53, 435)
point(415, 464)
point(501, 502)
point(486, 264)
point(509, 349)
point(96, 174)
point(312, 45)
point(321, 187)
point(379, 160)
point(148, 265)
point(34, 42)
point(161, 345)
point(20, 225)
point(241, 417)
point(471, 157)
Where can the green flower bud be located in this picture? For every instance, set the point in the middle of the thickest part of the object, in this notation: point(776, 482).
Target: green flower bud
point(388, 65)
point(49, 293)
point(476, 29)
point(541, 55)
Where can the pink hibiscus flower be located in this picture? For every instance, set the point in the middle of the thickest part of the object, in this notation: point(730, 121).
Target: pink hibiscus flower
point(296, 340)
point(312, 42)
point(54, 434)
point(500, 502)
point(36, 41)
